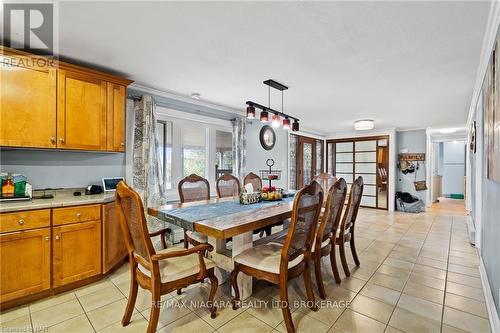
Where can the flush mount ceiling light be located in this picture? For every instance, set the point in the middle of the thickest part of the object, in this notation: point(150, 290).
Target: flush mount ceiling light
point(195, 96)
point(364, 124)
point(447, 130)
point(276, 115)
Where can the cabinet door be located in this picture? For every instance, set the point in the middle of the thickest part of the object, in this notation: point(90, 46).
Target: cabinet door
point(116, 117)
point(77, 252)
point(27, 103)
point(25, 263)
point(113, 244)
point(81, 114)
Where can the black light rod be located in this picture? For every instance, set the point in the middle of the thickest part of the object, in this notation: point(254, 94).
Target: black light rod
point(265, 108)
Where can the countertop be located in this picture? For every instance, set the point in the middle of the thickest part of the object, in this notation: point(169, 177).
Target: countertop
point(62, 198)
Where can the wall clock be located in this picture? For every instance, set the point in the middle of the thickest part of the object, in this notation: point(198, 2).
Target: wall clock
point(267, 137)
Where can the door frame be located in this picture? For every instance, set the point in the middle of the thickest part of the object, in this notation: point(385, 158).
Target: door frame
point(301, 139)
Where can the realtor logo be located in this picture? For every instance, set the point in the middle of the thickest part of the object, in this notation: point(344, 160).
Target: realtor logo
point(29, 27)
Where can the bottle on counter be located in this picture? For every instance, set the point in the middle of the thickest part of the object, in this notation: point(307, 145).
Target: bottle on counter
point(8, 187)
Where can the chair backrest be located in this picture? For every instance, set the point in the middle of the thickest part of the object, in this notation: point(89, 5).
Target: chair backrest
point(254, 180)
point(333, 211)
point(133, 223)
point(353, 204)
point(228, 186)
point(304, 221)
point(326, 180)
point(194, 188)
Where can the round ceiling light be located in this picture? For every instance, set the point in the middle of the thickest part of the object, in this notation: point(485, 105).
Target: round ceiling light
point(447, 130)
point(364, 124)
point(196, 96)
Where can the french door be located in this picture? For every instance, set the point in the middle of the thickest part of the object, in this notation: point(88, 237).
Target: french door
point(306, 160)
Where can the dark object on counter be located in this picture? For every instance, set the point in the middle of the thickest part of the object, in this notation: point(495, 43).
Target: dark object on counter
point(77, 193)
point(14, 198)
point(44, 196)
point(94, 189)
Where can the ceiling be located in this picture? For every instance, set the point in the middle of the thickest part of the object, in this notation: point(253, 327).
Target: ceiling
point(403, 64)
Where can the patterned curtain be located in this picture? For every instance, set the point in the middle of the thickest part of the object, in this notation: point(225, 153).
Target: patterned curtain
point(239, 148)
point(146, 169)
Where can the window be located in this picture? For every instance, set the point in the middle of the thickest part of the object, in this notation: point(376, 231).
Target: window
point(319, 156)
point(193, 151)
point(293, 162)
point(223, 153)
point(164, 130)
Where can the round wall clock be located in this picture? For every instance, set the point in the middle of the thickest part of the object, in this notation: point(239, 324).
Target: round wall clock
point(267, 137)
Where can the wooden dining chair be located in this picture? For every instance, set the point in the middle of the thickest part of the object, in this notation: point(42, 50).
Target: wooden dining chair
point(194, 188)
point(253, 179)
point(324, 242)
point(325, 179)
point(228, 186)
point(160, 272)
point(278, 263)
point(346, 230)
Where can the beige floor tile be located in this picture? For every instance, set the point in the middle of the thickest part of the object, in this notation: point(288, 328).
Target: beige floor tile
point(170, 311)
point(336, 292)
point(51, 301)
point(245, 323)
point(100, 298)
point(353, 284)
point(56, 314)
point(398, 263)
point(304, 324)
point(78, 324)
point(390, 329)
point(413, 323)
point(14, 313)
point(424, 292)
point(464, 279)
point(403, 256)
point(108, 314)
point(469, 262)
point(353, 322)
point(429, 271)
point(328, 311)
point(420, 307)
point(380, 293)
point(266, 309)
point(362, 272)
point(372, 308)
point(463, 270)
point(91, 288)
point(465, 321)
point(394, 271)
point(19, 324)
point(466, 291)
point(189, 323)
point(225, 313)
point(427, 281)
point(388, 281)
point(450, 329)
point(137, 324)
point(466, 305)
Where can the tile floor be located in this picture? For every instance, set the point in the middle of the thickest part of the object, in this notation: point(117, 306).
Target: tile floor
point(418, 274)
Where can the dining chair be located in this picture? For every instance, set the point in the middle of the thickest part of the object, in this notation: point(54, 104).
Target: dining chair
point(253, 179)
point(278, 263)
point(346, 230)
point(228, 186)
point(325, 180)
point(194, 188)
point(163, 271)
point(324, 242)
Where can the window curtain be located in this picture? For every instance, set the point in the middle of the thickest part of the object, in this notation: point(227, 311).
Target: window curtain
point(147, 174)
point(239, 147)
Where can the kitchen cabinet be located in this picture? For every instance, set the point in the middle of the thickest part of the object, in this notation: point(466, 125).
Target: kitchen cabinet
point(77, 252)
point(81, 114)
point(27, 103)
point(25, 263)
point(113, 244)
point(116, 95)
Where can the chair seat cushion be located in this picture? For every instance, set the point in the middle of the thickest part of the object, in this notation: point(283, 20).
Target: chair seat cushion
point(179, 267)
point(265, 257)
point(197, 236)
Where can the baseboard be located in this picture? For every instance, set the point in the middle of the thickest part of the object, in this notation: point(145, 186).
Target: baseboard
point(471, 228)
point(490, 303)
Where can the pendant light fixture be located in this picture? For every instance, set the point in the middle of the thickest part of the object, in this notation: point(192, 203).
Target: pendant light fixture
point(276, 117)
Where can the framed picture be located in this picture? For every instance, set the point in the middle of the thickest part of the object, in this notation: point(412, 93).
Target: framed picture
point(492, 116)
point(473, 137)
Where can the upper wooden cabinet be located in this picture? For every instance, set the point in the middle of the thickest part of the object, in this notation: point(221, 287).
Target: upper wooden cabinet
point(59, 105)
point(27, 104)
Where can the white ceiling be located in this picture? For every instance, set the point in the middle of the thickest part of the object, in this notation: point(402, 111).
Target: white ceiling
point(404, 64)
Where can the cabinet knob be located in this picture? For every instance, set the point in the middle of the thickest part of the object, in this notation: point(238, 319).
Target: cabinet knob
point(62, 140)
point(20, 222)
point(53, 140)
point(57, 237)
point(122, 144)
point(46, 238)
point(78, 215)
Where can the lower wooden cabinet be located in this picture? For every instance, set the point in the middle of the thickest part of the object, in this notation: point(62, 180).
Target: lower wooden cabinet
point(113, 244)
point(25, 263)
point(77, 252)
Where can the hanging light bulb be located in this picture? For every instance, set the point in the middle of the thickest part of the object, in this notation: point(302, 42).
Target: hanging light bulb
point(295, 126)
point(250, 112)
point(264, 116)
point(276, 120)
point(286, 123)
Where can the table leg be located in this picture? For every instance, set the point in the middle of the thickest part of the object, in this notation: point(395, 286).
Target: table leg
point(217, 254)
point(241, 243)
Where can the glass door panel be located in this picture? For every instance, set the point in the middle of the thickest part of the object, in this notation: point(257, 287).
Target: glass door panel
point(307, 163)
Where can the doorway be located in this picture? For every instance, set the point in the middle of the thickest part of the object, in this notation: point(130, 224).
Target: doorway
point(306, 160)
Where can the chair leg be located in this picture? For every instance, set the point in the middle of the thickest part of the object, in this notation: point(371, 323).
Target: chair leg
point(285, 308)
point(319, 277)
point(214, 283)
point(309, 290)
point(333, 262)
point(154, 314)
point(179, 291)
point(132, 296)
point(234, 284)
point(186, 244)
point(268, 230)
point(343, 259)
point(353, 250)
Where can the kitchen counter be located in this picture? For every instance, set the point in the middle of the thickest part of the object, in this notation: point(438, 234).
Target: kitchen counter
point(62, 198)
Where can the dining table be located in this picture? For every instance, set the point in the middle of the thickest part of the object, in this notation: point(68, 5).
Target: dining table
point(221, 219)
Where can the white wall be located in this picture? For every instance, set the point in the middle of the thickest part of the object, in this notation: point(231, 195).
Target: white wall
point(413, 142)
point(453, 167)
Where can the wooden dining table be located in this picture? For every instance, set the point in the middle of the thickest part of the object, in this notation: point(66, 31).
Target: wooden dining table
point(224, 218)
